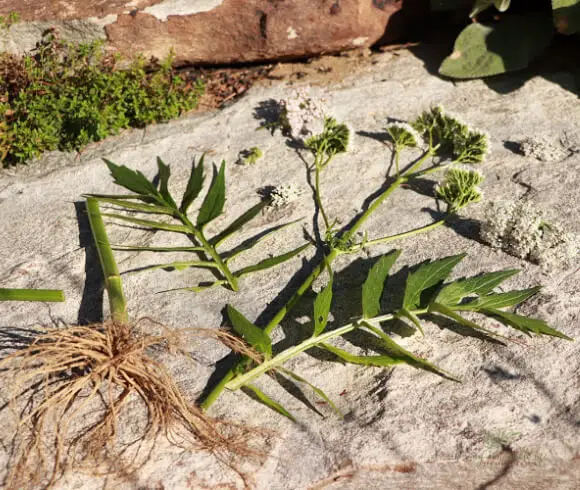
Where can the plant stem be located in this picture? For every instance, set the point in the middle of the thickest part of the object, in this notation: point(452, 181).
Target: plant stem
point(113, 282)
point(405, 234)
point(319, 198)
point(210, 250)
point(48, 295)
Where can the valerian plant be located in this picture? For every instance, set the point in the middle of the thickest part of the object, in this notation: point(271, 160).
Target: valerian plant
point(150, 198)
point(445, 142)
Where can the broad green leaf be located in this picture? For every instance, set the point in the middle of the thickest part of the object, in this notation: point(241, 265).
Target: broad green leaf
point(271, 262)
point(316, 390)
point(525, 324)
point(375, 282)
point(252, 334)
point(164, 174)
point(194, 185)
point(398, 353)
point(48, 295)
point(252, 242)
point(214, 201)
point(425, 277)
point(566, 15)
point(499, 300)
point(178, 265)
point(322, 305)
point(452, 293)
point(135, 206)
point(132, 180)
point(450, 313)
point(136, 248)
point(266, 400)
point(511, 44)
point(481, 5)
point(237, 224)
point(156, 225)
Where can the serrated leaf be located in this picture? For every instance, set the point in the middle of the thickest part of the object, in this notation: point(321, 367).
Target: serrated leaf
point(237, 224)
point(271, 262)
point(398, 353)
point(194, 185)
point(511, 44)
point(374, 284)
point(425, 277)
point(566, 15)
point(156, 225)
point(164, 174)
point(214, 201)
point(499, 300)
point(132, 180)
point(252, 242)
point(322, 305)
point(266, 400)
point(451, 294)
point(316, 390)
point(252, 334)
point(135, 206)
point(524, 324)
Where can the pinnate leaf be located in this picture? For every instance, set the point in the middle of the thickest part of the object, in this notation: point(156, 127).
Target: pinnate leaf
point(322, 305)
point(252, 334)
point(375, 283)
point(194, 185)
point(452, 293)
point(214, 201)
point(426, 277)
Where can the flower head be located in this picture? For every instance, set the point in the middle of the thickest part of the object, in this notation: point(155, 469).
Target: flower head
point(302, 114)
point(333, 139)
point(460, 188)
point(404, 135)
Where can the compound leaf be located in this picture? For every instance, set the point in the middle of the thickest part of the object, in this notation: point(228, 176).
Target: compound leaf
point(375, 282)
point(252, 334)
point(452, 293)
point(214, 201)
point(425, 277)
point(194, 185)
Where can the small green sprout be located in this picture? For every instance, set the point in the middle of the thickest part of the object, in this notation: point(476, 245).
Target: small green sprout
point(6, 21)
point(251, 156)
point(460, 188)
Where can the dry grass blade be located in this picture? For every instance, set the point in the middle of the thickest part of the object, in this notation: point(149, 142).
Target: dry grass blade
point(75, 392)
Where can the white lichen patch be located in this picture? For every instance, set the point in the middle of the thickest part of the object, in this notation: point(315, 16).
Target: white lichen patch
point(521, 230)
point(542, 148)
point(360, 41)
point(292, 34)
point(181, 7)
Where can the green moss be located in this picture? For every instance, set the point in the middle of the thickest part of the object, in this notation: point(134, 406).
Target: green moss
point(65, 96)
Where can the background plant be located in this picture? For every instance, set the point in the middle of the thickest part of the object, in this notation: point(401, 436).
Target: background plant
point(507, 42)
point(152, 197)
point(64, 96)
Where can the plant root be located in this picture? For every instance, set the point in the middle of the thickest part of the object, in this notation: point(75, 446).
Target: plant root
point(72, 390)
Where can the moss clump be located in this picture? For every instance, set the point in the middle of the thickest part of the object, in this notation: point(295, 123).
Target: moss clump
point(64, 96)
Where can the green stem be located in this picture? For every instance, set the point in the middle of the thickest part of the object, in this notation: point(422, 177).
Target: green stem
point(210, 250)
point(113, 282)
point(319, 198)
point(405, 234)
point(397, 152)
point(48, 295)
